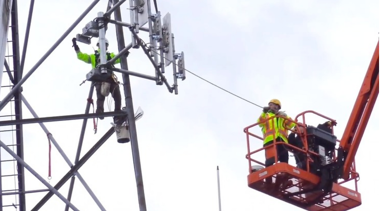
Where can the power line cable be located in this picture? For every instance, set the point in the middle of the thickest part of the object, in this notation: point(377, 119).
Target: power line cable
point(212, 83)
point(222, 88)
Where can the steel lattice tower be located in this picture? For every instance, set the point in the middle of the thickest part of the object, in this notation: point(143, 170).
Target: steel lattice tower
point(160, 52)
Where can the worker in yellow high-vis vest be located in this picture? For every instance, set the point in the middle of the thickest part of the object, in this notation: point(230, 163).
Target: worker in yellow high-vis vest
point(94, 60)
point(275, 129)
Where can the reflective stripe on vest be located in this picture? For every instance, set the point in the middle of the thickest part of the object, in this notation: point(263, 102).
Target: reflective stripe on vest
point(284, 135)
point(275, 127)
point(282, 129)
point(289, 124)
point(270, 128)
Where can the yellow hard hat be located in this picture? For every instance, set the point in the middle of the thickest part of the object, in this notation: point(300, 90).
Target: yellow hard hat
point(275, 101)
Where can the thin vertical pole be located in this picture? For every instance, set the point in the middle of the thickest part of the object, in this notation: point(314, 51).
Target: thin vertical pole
point(153, 45)
point(220, 206)
point(133, 21)
point(174, 63)
point(102, 43)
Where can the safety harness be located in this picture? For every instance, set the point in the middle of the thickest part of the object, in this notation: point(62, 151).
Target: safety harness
point(90, 100)
point(97, 60)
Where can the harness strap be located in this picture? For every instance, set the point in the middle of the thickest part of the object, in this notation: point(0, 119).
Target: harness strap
point(90, 100)
point(49, 153)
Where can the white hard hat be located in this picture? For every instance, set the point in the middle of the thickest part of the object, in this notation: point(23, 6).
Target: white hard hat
point(107, 43)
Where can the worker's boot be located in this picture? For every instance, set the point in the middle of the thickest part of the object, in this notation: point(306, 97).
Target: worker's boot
point(286, 184)
point(119, 119)
point(268, 181)
point(100, 111)
point(282, 181)
point(268, 184)
point(309, 195)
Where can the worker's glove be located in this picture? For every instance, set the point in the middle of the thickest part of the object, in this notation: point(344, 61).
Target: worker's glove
point(76, 47)
point(299, 129)
point(74, 41)
point(265, 109)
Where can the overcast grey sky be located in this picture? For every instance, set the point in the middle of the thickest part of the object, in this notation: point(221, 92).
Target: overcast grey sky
point(312, 55)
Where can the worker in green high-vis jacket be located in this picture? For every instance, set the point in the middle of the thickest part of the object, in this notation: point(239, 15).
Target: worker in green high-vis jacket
point(94, 60)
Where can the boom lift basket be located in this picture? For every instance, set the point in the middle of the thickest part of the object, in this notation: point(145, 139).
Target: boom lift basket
point(316, 186)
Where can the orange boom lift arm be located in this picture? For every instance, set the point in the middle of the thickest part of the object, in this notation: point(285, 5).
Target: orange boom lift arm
point(359, 117)
point(317, 184)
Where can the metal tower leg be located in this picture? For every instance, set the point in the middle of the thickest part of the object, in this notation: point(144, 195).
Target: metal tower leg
point(18, 105)
point(130, 113)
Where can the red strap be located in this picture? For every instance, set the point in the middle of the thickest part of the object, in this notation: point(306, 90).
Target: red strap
point(90, 101)
point(49, 155)
point(95, 126)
